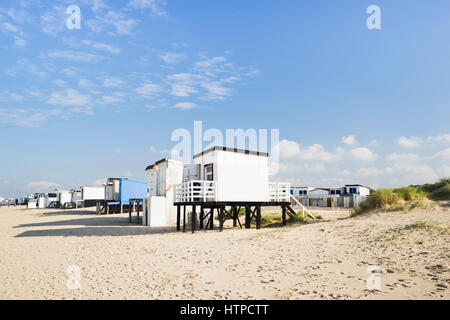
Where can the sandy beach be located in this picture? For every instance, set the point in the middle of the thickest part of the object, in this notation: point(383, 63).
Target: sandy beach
point(42, 250)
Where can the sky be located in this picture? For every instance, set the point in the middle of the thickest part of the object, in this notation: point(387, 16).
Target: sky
point(352, 104)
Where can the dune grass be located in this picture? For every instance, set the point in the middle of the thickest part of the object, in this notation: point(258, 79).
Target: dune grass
point(443, 193)
point(405, 198)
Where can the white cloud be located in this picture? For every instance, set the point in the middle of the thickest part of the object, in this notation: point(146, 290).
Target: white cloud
point(148, 90)
point(20, 42)
point(183, 84)
point(443, 155)
point(412, 142)
point(288, 149)
point(60, 82)
point(25, 118)
point(185, 105)
point(77, 56)
point(369, 172)
point(215, 91)
point(110, 100)
point(98, 183)
point(69, 97)
point(403, 158)
point(17, 97)
point(53, 21)
point(444, 171)
point(291, 149)
point(42, 186)
point(7, 26)
point(350, 140)
point(155, 6)
point(364, 154)
point(440, 138)
point(172, 58)
point(112, 82)
point(102, 47)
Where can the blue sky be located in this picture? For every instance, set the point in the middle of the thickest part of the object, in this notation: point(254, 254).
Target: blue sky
point(352, 104)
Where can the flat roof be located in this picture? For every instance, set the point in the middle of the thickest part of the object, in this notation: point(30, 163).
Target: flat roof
point(356, 185)
point(156, 163)
point(216, 148)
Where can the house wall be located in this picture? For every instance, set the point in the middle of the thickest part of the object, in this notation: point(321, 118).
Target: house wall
point(318, 193)
point(237, 176)
point(93, 193)
point(130, 189)
point(161, 181)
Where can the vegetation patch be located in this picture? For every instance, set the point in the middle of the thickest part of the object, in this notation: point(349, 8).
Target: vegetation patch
point(405, 199)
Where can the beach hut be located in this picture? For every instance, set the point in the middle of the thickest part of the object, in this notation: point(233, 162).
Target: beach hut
point(119, 191)
point(221, 179)
point(76, 198)
point(91, 195)
point(86, 197)
point(63, 198)
point(159, 209)
point(32, 204)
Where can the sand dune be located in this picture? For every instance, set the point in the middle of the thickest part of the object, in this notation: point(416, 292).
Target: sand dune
point(42, 251)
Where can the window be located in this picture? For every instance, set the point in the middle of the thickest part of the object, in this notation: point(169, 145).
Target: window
point(333, 192)
point(352, 190)
point(209, 172)
point(338, 191)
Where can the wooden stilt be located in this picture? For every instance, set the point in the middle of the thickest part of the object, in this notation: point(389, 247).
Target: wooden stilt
point(193, 218)
point(211, 219)
point(283, 215)
point(137, 213)
point(129, 217)
point(258, 217)
point(235, 216)
point(184, 218)
point(178, 218)
point(221, 216)
point(201, 217)
point(247, 217)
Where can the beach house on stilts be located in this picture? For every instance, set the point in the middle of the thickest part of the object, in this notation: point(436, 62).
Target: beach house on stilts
point(221, 181)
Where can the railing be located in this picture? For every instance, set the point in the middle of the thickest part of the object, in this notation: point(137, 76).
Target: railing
point(195, 190)
point(279, 192)
point(303, 207)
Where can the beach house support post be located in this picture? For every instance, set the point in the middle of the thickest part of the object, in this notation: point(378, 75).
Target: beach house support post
point(221, 217)
point(258, 217)
point(178, 218)
point(194, 218)
point(247, 217)
point(184, 218)
point(283, 215)
point(234, 213)
point(201, 216)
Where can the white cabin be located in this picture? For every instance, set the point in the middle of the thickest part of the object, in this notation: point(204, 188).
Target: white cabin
point(357, 189)
point(218, 175)
point(63, 197)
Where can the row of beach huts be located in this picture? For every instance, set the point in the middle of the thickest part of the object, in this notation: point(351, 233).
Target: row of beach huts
point(220, 181)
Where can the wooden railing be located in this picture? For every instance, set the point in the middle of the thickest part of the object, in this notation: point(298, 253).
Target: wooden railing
point(279, 192)
point(195, 190)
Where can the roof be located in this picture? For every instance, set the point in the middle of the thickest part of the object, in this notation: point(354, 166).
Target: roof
point(150, 167)
point(325, 189)
point(356, 185)
point(216, 148)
